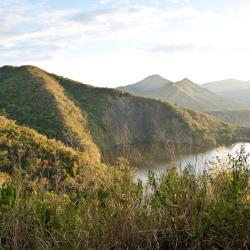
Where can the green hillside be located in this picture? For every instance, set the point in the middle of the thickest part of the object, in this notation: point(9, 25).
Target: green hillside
point(184, 93)
point(43, 160)
point(33, 98)
point(120, 124)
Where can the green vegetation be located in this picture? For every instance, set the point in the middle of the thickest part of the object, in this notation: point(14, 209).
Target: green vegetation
point(123, 123)
point(57, 195)
point(45, 162)
point(101, 121)
point(178, 210)
point(33, 98)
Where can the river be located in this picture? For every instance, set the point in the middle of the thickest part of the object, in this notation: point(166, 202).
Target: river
point(199, 160)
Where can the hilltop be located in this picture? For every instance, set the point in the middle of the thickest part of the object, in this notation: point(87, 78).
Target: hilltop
point(147, 85)
point(184, 93)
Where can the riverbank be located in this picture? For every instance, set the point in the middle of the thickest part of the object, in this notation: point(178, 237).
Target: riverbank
point(199, 160)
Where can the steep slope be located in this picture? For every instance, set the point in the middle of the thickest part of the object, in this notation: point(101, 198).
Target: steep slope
point(232, 89)
point(184, 93)
point(236, 117)
point(33, 98)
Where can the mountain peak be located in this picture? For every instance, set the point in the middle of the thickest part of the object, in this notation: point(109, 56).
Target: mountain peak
point(155, 77)
point(8, 69)
point(154, 80)
point(147, 84)
point(184, 93)
point(185, 80)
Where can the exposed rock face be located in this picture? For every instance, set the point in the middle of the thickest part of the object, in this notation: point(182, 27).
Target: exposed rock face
point(145, 130)
point(135, 122)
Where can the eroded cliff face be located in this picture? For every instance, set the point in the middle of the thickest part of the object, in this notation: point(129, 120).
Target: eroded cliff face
point(133, 122)
point(145, 130)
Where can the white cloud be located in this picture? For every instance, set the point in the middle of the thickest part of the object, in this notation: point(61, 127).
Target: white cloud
point(125, 34)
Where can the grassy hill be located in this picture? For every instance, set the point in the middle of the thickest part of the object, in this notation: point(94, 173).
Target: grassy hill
point(93, 119)
point(184, 93)
point(31, 97)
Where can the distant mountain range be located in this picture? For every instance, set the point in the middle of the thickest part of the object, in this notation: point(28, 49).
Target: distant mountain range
point(237, 117)
point(184, 93)
point(233, 89)
point(94, 121)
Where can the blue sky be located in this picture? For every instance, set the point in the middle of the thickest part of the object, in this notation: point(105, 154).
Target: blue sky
point(117, 42)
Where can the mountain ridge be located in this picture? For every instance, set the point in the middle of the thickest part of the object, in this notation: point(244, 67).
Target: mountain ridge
point(225, 85)
point(184, 93)
point(232, 89)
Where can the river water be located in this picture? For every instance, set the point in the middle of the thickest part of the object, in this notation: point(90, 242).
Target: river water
point(200, 160)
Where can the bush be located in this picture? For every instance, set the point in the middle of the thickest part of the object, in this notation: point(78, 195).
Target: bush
point(110, 211)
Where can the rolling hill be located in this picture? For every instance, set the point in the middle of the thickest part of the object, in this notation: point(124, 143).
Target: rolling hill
point(232, 89)
point(93, 120)
point(184, 93)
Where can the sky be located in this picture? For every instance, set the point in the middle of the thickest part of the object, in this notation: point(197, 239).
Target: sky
point(118, 42)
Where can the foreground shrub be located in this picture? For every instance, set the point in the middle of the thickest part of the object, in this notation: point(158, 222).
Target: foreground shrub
point(179, 210)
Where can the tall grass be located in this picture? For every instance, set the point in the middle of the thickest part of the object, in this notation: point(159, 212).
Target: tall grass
point(179, 210)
